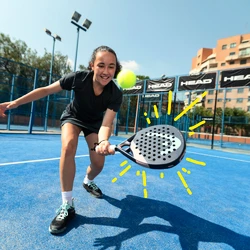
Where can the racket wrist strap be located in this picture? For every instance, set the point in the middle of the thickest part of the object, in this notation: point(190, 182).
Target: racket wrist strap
point(97, 143)
point(102, 141)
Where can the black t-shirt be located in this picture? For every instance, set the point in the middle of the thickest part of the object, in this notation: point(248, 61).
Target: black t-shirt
point(87, 109)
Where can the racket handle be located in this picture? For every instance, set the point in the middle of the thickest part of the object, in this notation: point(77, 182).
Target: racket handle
point(110, 147)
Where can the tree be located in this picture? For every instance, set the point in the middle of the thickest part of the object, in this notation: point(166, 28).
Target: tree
point(82, 67)
point(22, 59)
point(142, 77)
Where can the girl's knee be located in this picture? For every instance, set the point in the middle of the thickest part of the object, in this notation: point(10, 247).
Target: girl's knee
point(69, 148)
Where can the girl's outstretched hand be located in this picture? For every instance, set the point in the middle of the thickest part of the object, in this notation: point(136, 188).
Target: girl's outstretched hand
point(6, 106)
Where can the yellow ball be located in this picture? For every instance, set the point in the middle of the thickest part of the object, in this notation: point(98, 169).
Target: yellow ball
point(126, 79)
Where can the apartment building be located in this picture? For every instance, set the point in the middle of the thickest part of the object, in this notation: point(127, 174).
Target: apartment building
point(229, 53)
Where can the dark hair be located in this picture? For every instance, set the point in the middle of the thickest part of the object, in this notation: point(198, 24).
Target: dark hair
point(108, 49)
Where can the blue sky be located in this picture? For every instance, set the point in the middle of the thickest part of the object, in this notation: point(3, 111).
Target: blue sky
point(151, 37)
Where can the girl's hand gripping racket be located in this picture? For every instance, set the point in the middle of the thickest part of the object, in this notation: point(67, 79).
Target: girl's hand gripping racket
point(156, 147)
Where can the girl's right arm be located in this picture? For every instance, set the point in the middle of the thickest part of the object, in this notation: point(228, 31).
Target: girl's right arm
point(31, 96)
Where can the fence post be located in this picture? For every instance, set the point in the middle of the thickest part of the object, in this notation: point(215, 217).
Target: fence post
point(223, 120)
point(215, 107)
point(127, 116)
point(11, 99)
point(32, 111)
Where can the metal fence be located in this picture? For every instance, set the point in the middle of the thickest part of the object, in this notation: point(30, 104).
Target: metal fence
point(137, 110)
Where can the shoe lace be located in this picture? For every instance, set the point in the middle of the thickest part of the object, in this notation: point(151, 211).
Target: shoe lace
point(93, 185)
point(62, 211)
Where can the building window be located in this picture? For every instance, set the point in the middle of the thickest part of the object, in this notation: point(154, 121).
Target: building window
point(210, 92)
point(224, 46)
point(223, 64)
point(231, 62)
point(228, 100)
point(241, 90)
point(213, 66)
point(220, 90)
point(228, 90)
point(244, 52)
point(248, 108)
point(248, 99)
point(232, 45)
point(232, 53)
point(239, 100)
point(219, 100)
point(243, 61)
point(210, 101)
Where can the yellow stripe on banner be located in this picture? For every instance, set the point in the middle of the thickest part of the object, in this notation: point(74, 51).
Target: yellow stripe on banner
point(196, 162)
point(145, 193)
point(162, 175)
point(156, 111)
point(125, 170)
point(169, 102)
point(197, 125)
point(190, 106)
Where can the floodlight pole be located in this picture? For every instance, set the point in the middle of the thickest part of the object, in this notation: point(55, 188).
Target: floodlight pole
point(50, 76)
point(77, 42)
point(52, 61)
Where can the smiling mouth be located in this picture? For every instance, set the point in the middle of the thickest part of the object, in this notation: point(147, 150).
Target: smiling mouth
point(105, 77)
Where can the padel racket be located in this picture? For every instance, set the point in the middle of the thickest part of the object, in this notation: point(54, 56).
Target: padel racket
point(156, 147)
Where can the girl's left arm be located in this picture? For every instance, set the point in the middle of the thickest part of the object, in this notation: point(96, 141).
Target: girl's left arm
point(105, 131)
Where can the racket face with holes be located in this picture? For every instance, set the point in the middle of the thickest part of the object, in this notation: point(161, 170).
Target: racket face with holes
point(157, 147)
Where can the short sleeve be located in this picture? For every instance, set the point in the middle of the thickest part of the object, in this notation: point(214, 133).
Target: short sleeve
point(67, 81)
point(74, 80)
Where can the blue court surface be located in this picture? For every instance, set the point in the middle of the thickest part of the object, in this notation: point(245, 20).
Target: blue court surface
point(142, 209)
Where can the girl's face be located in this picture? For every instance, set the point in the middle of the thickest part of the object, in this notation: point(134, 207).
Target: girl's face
point(104, 67)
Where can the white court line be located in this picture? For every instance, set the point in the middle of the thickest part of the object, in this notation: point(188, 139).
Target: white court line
point(221, 157)
point(79, 156)
point(41, 160)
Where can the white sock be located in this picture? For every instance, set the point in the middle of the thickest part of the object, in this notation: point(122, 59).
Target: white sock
point(86, 180)
point(67, 197)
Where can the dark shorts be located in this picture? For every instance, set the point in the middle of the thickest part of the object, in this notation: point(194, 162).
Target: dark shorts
point(86, 131)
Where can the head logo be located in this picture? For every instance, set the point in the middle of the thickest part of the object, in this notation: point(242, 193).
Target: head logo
point(236, 78)
point(160, 85)
point(204, 81)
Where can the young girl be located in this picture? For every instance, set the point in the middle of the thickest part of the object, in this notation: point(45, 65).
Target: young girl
point(92, 111)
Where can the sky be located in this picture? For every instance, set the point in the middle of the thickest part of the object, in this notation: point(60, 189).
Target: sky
point(150, 37)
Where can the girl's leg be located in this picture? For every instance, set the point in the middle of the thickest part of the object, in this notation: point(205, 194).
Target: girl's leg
point(95, 167)
point(69, 138)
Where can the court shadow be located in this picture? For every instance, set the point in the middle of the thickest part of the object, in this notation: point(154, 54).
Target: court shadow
point(190, 228)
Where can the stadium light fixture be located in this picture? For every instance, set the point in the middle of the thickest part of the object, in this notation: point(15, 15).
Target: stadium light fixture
point(85, 26)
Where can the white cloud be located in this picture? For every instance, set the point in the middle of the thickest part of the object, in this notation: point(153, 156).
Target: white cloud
point(131, 65)
point(70, 63)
